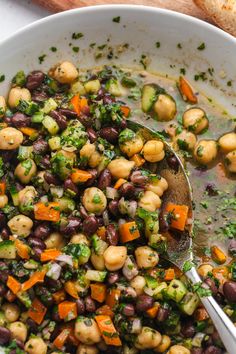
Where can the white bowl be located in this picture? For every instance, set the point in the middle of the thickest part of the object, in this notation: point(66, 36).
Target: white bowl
point(141, 27)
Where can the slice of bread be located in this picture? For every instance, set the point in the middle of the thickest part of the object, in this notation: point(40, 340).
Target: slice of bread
point(222, 12)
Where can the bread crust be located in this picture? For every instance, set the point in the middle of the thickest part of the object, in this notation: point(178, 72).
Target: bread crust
point(222, 12)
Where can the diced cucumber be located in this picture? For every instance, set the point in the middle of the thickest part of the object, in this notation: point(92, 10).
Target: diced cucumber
point(25, 152)
point(49, 106)
point(96, 275)
point(65, 204)
point(7, 249)
point(77, 88)
point(126, 81)
point(189, 303)
point(99, 246)
point(92, 86)
point(151, 282)
point(31, 264)
point(114, 87)
point(24, 298)
point(176, 290)
point(149, 95)
point(37, 117)
point(57, 191)
point(55, 143)
point(160, 290)
point(51, 125)
point(2, 319)
point(15, 195)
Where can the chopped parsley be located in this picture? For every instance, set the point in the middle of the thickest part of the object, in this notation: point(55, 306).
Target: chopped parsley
point(204, 204)
point(96, 199)
point(2, 77)
point(182, 71)
point(200, 151)
point(116, 19)
point(201, 291)
point(1, 167)
point(19, 79)
point(187, 266)
point(77, 35)
point(53, 49)
point(202, 46)
point(75, 49)
point(27, 164)
point(229, 83)
point(158, 44)
point(179, 45)
point(41, 58)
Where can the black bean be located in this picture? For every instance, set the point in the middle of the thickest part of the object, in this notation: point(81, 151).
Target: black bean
point(173, 163)
point(39, 96)
point(53, 284)
point(144, 302)
point(40, 146)
point(128, 310)
point(219, 298)
point(4, 272)
point(68, 184)
point(212, 350)
point(7, 155)
point(34, 79)
point(36, 254)
point(3, 290)
point(104, 179)
point(90, 305)
point(187, 329)
point(112, 235)
point(90, 225)
point(91, 180)
point(138, 178)
point(212, 285)
point(113, 278)
point(83, 212)
point(56, 318)
point(100, 221)
point(113, 207)
point(100, 94)
point(123, 124)
point(163, 224)
point(107, 99)
point(5, 335)
point(42, 230)
point(44, 295)
point(85, 120)
point(229, 289)
point(232, 247)
point(59, 118)
point(80, 306)
point(5, 233)
point(110, 134)
point(36, 242)
point(33, 327)
point(211, 189)
point(127, 190)
point(92, 135)
point(20, 120)
point(85, 110)
point(45, 162)
point(196, 351)
point(162, 314)
point(51, 179)
point(68, 113)
point(71, 227)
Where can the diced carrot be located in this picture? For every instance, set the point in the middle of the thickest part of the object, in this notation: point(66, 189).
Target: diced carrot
point(180, 215)
point(125, 110)
point(2, 188)
point(139, 161)
point(70, 288)
point(37, 277)
point(201, 314)
point(218, 255)
point(67, 310)
point(186, 91)
point(61, 338)
point(80, 176)
point(49, 255)
point(31, 132)
point(221, 273)
point(108, 331)
point(13, 284)
point(101, 232)
point(105, 310)
point(49, 211)
point(79, 103)
point(22, 249)
point(169, 274)
point(37, 311)
point(129, 231)
point(98, 292)
point(112, 297)
point(119, 183)
point(59, 296)
point(152, 312)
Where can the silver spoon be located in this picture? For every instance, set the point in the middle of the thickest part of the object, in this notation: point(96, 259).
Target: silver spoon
point(179, 250)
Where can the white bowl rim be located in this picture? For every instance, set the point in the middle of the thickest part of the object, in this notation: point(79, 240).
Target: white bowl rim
point(140, 8)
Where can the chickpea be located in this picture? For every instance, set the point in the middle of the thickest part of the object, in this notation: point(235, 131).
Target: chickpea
point(87, 349)
point(11, 312)
point(79, 238)
point(146, 257)
point(165, 108)
point(3, 106)
point(115, 257)
point(227, 142)
point(25, 170)
point(16, 94)
point(164, 345)
point(149, 338)
point(3, 200)
point(26, 197)
point(18, 330)
point(95, 159)
point(195, 120)
point(153, 151)
point(10, 138)
point(157, 186)
point(130, 143)
point(178, 349)
point(204, 269)
point(138, 283)
point(36, 345)
point(149, 201)
point(205, 151)
point(20, 225)
point(54, 240)
point(97, 261)
point(230, 161)
point(87, 151)
point(128, 350)
point(87, 331)
point(185, 140)
point(120, 168)
point(94, 200)
point(64, 72)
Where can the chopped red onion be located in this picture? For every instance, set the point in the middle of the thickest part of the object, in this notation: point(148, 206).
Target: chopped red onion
point(66, 259)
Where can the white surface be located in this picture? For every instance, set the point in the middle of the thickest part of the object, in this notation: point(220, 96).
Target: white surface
point(16, 14)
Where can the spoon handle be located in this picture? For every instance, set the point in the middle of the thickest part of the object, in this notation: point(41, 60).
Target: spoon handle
point(224, 326)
